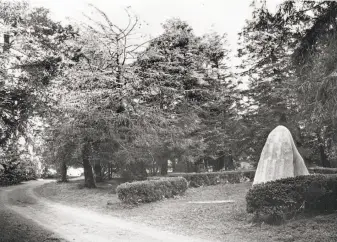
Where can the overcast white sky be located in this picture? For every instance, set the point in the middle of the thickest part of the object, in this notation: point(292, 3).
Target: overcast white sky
point(222, 16)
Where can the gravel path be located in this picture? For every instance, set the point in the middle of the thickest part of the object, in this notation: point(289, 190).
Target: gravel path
point(38, 216)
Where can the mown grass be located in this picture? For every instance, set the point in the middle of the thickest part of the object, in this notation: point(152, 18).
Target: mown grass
point(222, 221)
point(74, 193)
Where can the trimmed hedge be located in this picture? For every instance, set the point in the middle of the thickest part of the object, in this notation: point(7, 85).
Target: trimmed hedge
point(322, 170)
point(213, 178)
point(152, 190)
point(284, 198)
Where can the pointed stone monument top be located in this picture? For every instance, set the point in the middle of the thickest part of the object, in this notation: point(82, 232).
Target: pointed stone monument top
point(279, 158)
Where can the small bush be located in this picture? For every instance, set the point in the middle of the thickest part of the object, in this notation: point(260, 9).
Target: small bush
point(323, 170)
point(213, 178)
point(284, 198)
point(151, 190)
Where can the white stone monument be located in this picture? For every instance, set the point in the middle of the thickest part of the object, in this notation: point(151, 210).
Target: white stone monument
point(279, 158)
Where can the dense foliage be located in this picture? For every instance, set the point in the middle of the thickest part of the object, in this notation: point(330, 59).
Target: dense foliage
point(186, 78)
point(32, 56)
point(88, 95)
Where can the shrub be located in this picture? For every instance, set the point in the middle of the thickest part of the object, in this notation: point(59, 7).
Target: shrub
point(29, 174)
point(323, 170)
point(213, 178)
point(7, 179)
point(151, 190)
point(284, 198)
point(11, 175)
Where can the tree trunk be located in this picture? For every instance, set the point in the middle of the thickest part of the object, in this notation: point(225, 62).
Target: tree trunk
point(98, 172)
point(220, 163)
point(110, 171)
point(89, 179)
point(6, 44)
point(299, 138)
point(188, 166)
point(164, 167)
point(324, 159)
point(63, 170)
point(153, 172)
point(143, 172)
point(229, 163)
point(174, 162)
point(205, 164)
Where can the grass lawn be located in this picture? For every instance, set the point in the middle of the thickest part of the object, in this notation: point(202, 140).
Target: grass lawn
point(213, 221)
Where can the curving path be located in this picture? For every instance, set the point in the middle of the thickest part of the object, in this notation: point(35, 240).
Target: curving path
point(57, 222)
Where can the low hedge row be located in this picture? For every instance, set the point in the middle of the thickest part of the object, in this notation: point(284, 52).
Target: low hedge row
point(151, 190)
point(284, 198)
point(213, 178)
point(322, 170)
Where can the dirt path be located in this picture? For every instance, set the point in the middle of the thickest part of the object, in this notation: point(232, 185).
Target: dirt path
point(14, 227)
point(78, 224)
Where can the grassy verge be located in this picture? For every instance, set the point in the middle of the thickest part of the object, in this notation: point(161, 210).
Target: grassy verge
point(222, 221)
point(16, 228)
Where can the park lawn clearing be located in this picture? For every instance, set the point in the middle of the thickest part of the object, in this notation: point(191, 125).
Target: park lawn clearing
point(194, 214)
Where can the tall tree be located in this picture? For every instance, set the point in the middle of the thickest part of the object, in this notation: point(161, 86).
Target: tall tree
point(183, 75)
point(275, 51)
point(97, 93)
